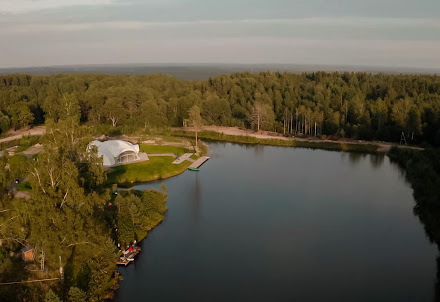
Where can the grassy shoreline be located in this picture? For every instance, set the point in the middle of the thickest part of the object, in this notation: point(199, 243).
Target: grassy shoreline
point(333, 146)
point(156, 168)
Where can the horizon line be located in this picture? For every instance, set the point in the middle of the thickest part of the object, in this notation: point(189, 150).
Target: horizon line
point(161, 64)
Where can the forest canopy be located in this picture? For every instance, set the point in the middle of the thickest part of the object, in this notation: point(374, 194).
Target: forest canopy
point(72, 221)
point(354, 105)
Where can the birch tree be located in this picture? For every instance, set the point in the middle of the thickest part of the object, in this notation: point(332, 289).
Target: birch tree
point(262, 116)
point(195, 121)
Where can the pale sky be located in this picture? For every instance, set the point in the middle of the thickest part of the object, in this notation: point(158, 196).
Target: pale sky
point(394, 33)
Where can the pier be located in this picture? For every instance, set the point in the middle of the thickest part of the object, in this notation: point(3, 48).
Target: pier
point(186, 156)
point(196, 165)
point(128, 256)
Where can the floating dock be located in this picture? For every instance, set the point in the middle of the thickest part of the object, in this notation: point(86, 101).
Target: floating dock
point(196, 165)
point(128, 256)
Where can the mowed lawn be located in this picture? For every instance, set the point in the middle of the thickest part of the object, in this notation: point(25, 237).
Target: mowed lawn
point(158, 167)
point(164, 149)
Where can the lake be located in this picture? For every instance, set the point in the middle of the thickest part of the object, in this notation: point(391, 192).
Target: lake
point(262, 223)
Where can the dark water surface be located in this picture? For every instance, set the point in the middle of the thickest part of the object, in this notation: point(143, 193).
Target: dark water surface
point(261, 223)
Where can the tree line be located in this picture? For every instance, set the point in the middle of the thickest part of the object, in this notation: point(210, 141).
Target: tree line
point(353, 105)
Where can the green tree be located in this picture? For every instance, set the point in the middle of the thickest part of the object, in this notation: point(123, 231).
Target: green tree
point(195, 121)
point(151, 115)
point(63, 218)
point(379, 110)
point(70, 107)
point(51, 103)
point(21, 116)
point(414, 123)
point(114, 110)
point(51, 297)
point(262, 116)
point(76, 295)
point(138, 213)
point(5, 123)
point(400, 111)
point(5, 173)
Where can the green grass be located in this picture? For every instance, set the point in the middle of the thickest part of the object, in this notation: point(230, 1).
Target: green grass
point(22, 148)
point(156, 168)
point(9, 144)
point(23, 144)
point(24, 186)
point(164, 149)
point(335, 146)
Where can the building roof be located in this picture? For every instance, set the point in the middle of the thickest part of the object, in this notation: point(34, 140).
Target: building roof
point(27, 249)
point(111, 149)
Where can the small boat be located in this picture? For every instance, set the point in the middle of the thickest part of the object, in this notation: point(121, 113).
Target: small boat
point(193, 169)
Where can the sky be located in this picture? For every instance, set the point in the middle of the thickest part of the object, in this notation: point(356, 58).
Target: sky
point(391, 33)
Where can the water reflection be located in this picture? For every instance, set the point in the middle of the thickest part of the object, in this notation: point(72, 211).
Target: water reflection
point(401, 173)
point(257, 149)
point(437, 282)
point(355, 157)
point(377, 160)
point(244, 228)
point(197, 200)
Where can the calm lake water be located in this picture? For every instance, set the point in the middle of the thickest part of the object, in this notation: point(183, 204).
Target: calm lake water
point(261, 223)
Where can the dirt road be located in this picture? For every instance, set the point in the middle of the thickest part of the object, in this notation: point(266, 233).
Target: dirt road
point(13, 135)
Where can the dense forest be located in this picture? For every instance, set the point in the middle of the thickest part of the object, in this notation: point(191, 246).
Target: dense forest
point(354, 105)
point(75, 221)
point(72, 219)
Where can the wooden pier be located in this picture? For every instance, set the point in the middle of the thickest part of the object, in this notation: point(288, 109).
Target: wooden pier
point(128, 256)
point(196, 165)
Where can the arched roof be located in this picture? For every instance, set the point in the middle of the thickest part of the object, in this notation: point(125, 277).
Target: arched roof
point(112, 149)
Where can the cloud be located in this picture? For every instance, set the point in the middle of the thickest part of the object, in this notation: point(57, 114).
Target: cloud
point(132, 48)
point(301, 22)
point(26, 6)
point(332, 40)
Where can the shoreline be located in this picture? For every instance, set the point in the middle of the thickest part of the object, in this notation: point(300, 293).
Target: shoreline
point(282, 142)
point(204, 149)
point(236, 135)
point(131, 185)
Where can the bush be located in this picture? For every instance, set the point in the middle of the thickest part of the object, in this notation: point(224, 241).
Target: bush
point(76, 295)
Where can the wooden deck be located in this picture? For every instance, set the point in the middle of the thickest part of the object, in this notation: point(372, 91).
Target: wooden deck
point(199, 162)
point(128, 257)
point(186, 156)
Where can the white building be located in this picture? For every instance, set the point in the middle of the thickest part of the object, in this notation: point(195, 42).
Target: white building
point(116, 152)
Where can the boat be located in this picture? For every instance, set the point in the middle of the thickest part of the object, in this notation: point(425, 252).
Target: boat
point(193, 169)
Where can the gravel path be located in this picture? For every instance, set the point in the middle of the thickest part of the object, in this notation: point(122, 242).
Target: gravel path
point(13, 135)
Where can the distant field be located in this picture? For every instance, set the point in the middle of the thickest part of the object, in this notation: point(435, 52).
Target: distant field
point(204, 71)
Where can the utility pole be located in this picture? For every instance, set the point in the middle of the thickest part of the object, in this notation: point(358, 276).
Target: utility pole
point(42, 260)
point(402, 138)
point(61, 270)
